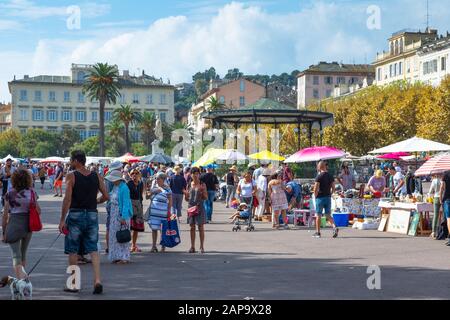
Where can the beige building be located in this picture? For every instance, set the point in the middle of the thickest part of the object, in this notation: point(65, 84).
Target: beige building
point(401, 62)
point(434, 60)
point(233, 95)
point(319, 82)
point(53, 103)
point(5, 117)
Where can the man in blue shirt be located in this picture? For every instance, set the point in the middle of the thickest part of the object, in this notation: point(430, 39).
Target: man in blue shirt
point(294, 194)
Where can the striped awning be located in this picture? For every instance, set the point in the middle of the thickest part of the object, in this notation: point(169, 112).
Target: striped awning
point(436, 165)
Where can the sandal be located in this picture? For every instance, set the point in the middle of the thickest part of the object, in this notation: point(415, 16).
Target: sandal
point(202, 251)
point(191, 250)
point(154, 250)
point(163, 249)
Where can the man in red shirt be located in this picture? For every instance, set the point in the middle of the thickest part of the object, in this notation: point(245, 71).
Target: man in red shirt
point(51, 176)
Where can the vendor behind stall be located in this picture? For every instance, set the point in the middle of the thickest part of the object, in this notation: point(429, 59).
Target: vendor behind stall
point(399, 185)
point(346, 178)
point(377, 182)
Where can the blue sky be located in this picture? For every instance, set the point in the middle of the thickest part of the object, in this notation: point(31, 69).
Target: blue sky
point(173, 39)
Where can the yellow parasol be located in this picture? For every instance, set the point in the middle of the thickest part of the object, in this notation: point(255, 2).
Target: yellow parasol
point(266, 155)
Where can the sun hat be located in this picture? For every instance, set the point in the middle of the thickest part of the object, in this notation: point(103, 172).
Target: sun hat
point(379, 173)
point(114, 176)
point(233, 168)
point(242, 204)
point(115, 166)
point(177, 169)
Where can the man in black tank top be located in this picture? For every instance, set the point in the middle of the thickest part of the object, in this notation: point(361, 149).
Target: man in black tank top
point(81, 224)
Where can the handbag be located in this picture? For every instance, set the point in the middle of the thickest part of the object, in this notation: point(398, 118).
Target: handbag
point(123, 235)
point(170, 235)
point(35, 219)
point(194, 211)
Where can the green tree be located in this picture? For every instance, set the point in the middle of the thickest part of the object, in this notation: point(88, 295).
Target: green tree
point(67, 139)
point(139, 149)
point(115, 131)
point(147, 125)
point(44, 149)
point(90, 146)
point(9, 143)
point(201, 87)
point(102, 85)
point(32, 138)
point(214, 104)
point(128, 116)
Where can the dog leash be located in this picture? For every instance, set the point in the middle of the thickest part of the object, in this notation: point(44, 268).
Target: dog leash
point(43, 256)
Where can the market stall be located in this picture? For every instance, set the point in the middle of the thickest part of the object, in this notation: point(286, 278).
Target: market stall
point(406, 218)
point(357, 206)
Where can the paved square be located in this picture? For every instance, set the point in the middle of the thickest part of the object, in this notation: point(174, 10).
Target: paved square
point(264, 264)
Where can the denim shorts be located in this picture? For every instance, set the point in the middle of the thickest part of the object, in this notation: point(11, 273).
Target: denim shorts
point(83, 231)
point(446, 207)
point(323, 204)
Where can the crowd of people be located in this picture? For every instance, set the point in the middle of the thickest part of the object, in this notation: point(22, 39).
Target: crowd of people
point(257, 191)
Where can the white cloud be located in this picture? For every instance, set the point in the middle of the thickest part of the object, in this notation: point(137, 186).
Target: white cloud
point(115, 24)
point(29, 10)
point(9, 25)
point(238, 35)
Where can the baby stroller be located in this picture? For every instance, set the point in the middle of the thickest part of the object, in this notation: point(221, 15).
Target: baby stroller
point(247, 221)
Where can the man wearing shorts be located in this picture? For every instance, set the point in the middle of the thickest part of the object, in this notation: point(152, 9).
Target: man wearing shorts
point(323, 189)
point(59, 176)
point(80, 207)
point(445, 199)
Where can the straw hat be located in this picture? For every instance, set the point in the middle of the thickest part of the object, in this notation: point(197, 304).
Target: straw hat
point(114, 176)
point(233, 168)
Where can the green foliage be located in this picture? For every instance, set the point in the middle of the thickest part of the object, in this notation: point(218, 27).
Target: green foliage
point(102, 85)
point(90, 146)
point(67, 139)
point(201, 87)
point(9, 143)
point(139, 149)
point(379, 116)
point(38, 143)
point(127, 115)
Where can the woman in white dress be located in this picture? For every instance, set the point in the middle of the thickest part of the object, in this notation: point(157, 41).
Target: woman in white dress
point(121, 213)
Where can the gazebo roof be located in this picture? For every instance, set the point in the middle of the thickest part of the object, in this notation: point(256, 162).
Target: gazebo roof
point(267, 111)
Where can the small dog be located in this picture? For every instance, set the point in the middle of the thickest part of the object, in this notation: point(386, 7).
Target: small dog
point(20, 289)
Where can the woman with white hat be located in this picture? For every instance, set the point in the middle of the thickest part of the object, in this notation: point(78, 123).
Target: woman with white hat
point(121, 212)
point(109, 187)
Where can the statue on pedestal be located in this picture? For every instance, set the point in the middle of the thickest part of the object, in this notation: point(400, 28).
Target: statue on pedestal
point(159, 137)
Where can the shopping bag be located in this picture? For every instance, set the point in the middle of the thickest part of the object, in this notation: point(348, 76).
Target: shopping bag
point(170, 235)
point(35, 223)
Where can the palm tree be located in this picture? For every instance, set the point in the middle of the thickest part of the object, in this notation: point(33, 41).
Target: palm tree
point(128, 116)
point(102, 85)
point(115, 132)
point(215, 104)
point(147, 125)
